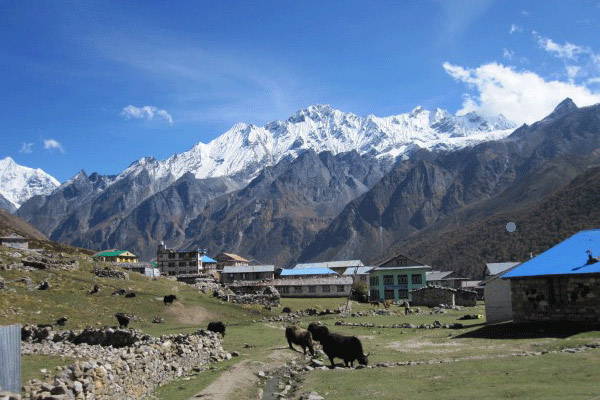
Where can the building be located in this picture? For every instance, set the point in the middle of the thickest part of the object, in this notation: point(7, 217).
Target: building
point(182, 262)
point(292, 273)
point(359, 274)
point(230, 260)
point(498, 298)
point(396, 278)
point(338, 266)
point(495, 269)
point(433, 296)
point(117, 256)
point(321, 286)
point(444, 279)
point(231, 274)
point(561, 284)
point(15, 241)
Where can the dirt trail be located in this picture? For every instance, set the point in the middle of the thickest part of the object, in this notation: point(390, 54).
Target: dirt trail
point(243, 376)
point(189, 315)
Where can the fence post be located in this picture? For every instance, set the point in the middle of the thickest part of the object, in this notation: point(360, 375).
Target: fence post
point(10, 358)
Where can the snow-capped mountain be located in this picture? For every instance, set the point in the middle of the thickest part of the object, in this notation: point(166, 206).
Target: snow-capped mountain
point(19, 183)
point(245, 149)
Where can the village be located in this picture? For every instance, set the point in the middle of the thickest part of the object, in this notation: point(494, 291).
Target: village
point(514, 300)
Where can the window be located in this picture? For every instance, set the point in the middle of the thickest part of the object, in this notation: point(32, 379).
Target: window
point(284, 289)
point(171, 255)
point(416, 279)
point(297, 289)
point(192, 263)
point(402, 279)
point(363, 278)
point(388, 294)
point(182, 263)
point(374, 281)
point(388, 279)
point(181, 255)
point(340, 288)
point(172, 264)
point(403, 294)
point(374, 294)
point(326, 289)
point(312, 289)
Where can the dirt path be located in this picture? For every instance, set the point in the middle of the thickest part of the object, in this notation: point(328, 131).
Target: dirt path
point(189, 315)
point(243, 375)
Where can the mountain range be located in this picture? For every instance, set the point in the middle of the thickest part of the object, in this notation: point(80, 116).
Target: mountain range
point(326, 185)
point(168, 200)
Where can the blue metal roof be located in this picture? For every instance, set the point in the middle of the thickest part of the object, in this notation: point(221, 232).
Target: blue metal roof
point(207, 259)
point(566, 258)
point(307, 271)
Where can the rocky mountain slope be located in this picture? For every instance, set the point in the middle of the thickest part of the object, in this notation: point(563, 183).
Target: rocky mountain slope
point(430, 187)
point(18, 184)
point(155, 200)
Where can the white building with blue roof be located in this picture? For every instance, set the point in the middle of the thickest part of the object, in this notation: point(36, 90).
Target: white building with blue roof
point(561, 284)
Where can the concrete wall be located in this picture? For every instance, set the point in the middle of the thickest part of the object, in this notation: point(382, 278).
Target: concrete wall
point(568, 298)
point(498, 303)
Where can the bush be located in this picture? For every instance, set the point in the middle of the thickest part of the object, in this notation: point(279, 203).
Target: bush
point(359, 292)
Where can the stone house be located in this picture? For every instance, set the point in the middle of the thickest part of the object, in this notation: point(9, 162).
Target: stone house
point(432, 296)
point(561, 284)
point(338, 266)
point(230, 260)
point(248, 273)
point(323, 286)
point(444, 278)
point(396, 278)
point(15, 242)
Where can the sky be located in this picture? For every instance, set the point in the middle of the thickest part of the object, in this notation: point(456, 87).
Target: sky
point(97, 85)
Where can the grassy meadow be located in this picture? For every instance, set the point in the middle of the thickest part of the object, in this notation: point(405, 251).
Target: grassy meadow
point(476, 360)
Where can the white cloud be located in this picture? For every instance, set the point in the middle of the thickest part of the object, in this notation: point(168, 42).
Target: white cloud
point(572, 71)
point(50, 144)
point(515, 28)
point(146, 112)
point(522, 96)
point(524, 12)
point(26, 148)
point(565, 51)
point(508, 54)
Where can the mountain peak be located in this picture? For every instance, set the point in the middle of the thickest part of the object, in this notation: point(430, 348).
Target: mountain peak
point(564, 107)
point(19, 183)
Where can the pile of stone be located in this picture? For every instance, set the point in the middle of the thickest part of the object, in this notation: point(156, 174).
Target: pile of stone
point(308, 312)
point(435, 325)
point(442, 309)
point(267, 296)
point(132, 369)
point(50, 261)
point(108, 272)
point(206, 285)
point(4, 395)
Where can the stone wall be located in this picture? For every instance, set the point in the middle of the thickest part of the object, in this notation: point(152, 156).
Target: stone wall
point(498, 306)
point(568, 298)
point(131, 371)
point(431, 296)
point(108, 272)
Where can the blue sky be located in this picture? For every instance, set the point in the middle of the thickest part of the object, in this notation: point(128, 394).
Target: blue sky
point(98, 85)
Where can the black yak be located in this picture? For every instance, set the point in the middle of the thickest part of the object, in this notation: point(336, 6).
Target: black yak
point(95, 289)
point(217, 327)
point(61, 321)
point(318, 331)
point(287, 310)
point(130, 295)
point(348, 348)
point(169, 299)
point(124, 319)
point(295, 334)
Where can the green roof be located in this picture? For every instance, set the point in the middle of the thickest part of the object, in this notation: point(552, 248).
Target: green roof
point(110, 253)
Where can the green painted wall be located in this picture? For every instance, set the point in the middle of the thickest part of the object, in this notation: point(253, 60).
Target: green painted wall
point(401, 290)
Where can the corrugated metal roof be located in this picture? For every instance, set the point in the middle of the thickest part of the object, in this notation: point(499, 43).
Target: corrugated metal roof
point(358, 271)
point(234, 257)
point(497, 268)
point(308, 271)
point(321, 280)
point(566, 258)
point(207, 259)
point(437, 275)
point(400, 268)
point(248, 269)
point(330, 264)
